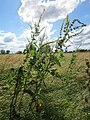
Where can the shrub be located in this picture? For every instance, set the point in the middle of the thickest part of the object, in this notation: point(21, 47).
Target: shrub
point(29, 80)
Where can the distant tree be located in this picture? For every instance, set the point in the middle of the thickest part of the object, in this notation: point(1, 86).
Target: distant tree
point(82, 50)
point(19, 52)
point(7, 51)
point(2, 51)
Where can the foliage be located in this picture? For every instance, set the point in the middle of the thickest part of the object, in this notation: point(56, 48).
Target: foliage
point(19, 52)
point(7, 51)
point(31, 76)
point(2, 51)
point(30, 81)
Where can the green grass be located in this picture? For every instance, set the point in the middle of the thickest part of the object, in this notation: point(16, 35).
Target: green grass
point(64, 98)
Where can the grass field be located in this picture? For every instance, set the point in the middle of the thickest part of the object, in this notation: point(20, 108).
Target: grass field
point(14, 60)
point(11, 60)
point(65, 96)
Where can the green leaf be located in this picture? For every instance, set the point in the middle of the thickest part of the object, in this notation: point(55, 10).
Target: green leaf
point(53, 71)
point(7, 86)
point(54, 59)
point(39, 91)
point(32, 52)
point(61, 54)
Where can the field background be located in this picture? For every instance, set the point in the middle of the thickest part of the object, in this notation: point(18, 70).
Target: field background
point(15, 60)
point(57, 96)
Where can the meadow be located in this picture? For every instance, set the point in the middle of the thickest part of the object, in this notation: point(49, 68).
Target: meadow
point(46, 85)
point(65, 98)
point(8, 61)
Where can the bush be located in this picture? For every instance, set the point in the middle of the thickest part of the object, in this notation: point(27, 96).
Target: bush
point(19, 52)
point(30, 80)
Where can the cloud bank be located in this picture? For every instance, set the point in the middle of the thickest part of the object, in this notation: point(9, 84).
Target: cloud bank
point(9, 41)
point(82, 41)
point(54, 10)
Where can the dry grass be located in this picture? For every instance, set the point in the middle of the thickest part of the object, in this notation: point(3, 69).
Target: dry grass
point(11, 60)
point(15, 60)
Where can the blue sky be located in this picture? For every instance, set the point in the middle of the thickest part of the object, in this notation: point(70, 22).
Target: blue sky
point(9, 19)
point(15, 14)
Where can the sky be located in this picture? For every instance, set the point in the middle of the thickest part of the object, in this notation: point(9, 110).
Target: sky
point(15, 15)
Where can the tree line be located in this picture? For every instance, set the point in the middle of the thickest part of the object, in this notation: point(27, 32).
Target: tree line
point(4, 51)
point(78, 50)
point(47, 49)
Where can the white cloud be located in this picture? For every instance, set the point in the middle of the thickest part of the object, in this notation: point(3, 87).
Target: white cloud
point(10, 41)
point(47, 30)
point(26, 34)
point(31, 9)
point(82, 41)
point(9, 37)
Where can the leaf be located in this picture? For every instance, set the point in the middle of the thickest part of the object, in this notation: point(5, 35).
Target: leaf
point(53, 71)
point(39, 91)
point(32, 52)
point(61, 54)
point(7, 86)
point(32, 82)
point(54, 59)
